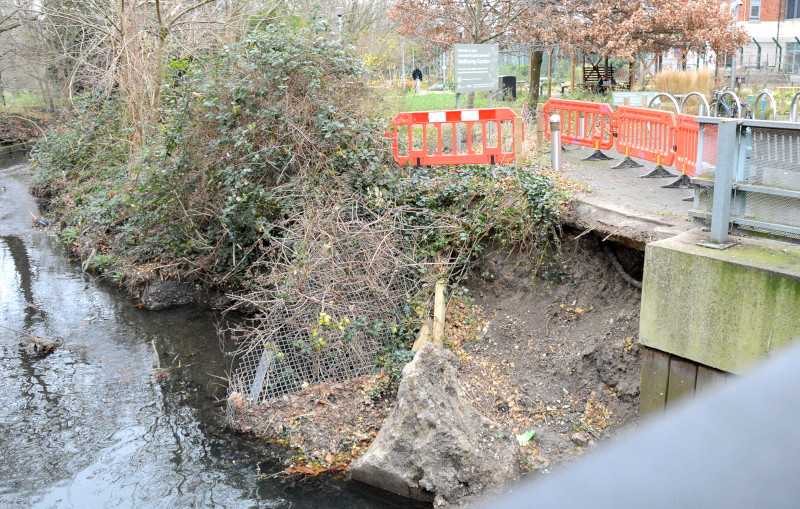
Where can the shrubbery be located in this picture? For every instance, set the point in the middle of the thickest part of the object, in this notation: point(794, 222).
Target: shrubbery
point(268, 178)
point(286, 108)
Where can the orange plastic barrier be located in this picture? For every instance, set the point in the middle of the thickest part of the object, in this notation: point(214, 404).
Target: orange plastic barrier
point(686, 136)
point(646, 134)
point(582, 123)
point(480, 136)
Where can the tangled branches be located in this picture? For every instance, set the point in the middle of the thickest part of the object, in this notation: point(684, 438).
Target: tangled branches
point(330, 291)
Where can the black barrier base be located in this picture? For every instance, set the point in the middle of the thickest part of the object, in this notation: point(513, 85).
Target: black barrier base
point(657, 173)
point(688, 198)
point(683, 182)
point(627, 163)
point(598, 156)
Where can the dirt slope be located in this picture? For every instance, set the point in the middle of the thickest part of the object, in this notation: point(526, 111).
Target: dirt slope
point(558, 357)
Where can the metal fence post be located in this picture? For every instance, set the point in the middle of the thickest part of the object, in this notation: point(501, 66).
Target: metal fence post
point(727, 160)
point(555, 142)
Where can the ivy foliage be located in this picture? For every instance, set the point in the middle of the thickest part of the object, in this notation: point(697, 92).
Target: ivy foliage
point(286, 107)
point(250, 138)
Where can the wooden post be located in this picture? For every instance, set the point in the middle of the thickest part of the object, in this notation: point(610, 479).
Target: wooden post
point(682, 380)
point(627, 101)
point(519, 127)
point(550, 74)
point(438, 314)
point(540, 120)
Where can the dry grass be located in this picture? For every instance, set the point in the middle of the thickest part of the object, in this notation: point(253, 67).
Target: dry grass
point(682, 82)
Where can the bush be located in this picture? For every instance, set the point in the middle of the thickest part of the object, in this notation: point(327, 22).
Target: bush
point(283, 108)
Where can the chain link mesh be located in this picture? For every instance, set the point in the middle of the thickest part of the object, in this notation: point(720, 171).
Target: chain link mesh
point(325, 308)
point(772, 160)
point(708, 165)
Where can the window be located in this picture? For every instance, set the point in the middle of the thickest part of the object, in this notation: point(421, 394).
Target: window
point(792, 57)
point(792, 9)
point(755, 10)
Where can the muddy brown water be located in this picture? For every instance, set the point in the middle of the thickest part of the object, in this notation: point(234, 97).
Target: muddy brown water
point(96, 424)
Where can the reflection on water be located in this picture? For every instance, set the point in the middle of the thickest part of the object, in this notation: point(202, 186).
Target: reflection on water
point(96, 424)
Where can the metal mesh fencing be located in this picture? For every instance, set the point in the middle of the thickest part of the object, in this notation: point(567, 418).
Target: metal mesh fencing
point(325, 306)
point(772, 160)
point(708, 161)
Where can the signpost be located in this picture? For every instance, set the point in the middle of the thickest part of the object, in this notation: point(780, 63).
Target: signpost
point(476, 67)
point(476, 70)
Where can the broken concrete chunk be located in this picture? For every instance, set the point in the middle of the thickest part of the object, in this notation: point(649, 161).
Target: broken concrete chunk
point(167, 294)
point(435, 446)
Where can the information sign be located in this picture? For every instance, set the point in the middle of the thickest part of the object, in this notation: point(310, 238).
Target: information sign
point(476, 67)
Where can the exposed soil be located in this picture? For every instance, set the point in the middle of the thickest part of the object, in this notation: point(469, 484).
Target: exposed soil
point(559, 356)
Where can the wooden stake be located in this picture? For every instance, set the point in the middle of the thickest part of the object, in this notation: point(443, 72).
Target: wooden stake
point(424, 334)
point(540, 120)
point(438, 314)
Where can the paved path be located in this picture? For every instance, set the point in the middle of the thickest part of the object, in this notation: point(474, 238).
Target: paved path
point(622, 205)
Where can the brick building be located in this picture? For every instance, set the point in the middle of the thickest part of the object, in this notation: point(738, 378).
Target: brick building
point(774, 28)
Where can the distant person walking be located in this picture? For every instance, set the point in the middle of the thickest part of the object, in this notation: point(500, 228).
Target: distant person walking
point(416, 75)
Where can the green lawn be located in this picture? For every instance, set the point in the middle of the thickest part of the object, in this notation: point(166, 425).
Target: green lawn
point(444, 101)
point(21, 100)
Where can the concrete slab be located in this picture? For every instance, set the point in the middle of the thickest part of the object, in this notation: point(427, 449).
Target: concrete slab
point(720, 308)
point(620, 204)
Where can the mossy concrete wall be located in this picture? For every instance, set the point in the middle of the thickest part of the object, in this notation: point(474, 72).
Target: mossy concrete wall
point(723, 309)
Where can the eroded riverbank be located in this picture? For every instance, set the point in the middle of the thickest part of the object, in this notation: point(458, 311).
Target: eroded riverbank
point(123, 414)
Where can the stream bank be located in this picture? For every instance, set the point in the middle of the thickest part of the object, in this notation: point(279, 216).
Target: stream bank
point(124, 413)
point(556, 354)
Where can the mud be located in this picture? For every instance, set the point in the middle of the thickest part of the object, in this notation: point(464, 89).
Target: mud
point(566, 347)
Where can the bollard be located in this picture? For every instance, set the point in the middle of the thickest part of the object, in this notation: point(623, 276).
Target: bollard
point(555, 142)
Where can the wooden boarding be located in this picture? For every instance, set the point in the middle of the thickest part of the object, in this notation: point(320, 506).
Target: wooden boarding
point(682, 379)
point(668, 380)
point(655, 376)
point(708, 378)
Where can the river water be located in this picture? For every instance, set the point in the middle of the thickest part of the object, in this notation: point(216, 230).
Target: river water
point(97, 424)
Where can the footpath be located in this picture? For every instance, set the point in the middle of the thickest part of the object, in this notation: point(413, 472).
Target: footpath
point(622, 206)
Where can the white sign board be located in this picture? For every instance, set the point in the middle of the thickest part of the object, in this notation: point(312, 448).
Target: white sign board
point(618, 98)
point(476, 67)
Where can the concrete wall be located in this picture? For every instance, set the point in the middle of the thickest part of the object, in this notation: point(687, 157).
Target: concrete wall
point(721, 309)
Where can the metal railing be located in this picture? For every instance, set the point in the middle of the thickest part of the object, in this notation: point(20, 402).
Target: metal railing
point(748, 178)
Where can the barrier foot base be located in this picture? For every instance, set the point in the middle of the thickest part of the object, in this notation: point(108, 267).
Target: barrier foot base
point(627, 163)
point(688, 198)
point(598, 156)
point(683, 182)
point(657, 173)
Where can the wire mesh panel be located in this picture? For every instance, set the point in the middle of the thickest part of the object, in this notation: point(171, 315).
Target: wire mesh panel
point(705, 198)
point(772, 160)
point(708, 160)
point(325, 307)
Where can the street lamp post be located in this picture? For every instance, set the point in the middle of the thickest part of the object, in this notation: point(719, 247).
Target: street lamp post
point(339, 11)
point(403, 63)
point(735, 12)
